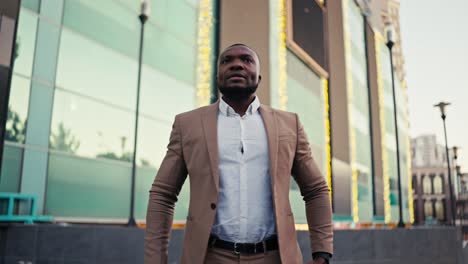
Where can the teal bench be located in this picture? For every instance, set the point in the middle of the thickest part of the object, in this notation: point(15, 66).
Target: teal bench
point(11, 198)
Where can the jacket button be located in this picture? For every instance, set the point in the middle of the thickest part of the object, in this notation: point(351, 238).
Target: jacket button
point(213, 206)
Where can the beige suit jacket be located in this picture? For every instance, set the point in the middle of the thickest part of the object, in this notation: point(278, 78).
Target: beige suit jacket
point(193, 151)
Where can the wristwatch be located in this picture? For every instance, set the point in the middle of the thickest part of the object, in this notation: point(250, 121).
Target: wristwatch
point(326, 256)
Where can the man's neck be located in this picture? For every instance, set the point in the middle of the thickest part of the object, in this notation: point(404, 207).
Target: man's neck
point(240, 106)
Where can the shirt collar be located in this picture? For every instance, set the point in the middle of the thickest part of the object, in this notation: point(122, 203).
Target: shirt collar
point(227, 110)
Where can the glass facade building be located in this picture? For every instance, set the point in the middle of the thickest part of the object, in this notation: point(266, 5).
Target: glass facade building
point(73, 97)
point(72, 106)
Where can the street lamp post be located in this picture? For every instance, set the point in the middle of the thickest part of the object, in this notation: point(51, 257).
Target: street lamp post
point(442, 106)
point(457, 167)
point(457, 176)
point(390, 43)
point(143, 17)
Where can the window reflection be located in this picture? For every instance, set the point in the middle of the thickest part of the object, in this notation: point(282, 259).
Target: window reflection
point(25, 42)
point(15, 130)
point(107, 22)
point(153, 137)
point(91, 69)
point(304, 98)
point(91, 129)
point(162, 97)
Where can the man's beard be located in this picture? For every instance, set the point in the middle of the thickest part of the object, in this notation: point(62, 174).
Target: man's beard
point(236, 93)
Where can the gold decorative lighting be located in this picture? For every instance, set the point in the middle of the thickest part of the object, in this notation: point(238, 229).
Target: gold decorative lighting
point(282, 70)
point(327, 133)
point(204, 67)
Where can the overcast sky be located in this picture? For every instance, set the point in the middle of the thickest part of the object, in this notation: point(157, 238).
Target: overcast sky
point(435, 47)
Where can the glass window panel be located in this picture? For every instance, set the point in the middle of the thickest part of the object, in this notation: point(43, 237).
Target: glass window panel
point(25, 42)
point(144, 180)
point(31, 4)
point(153, 137)
point(304, 98)
point(162, 96)
point(182, 20)
point(134, 6)
point(297, 204)
point(11, 168)
point(81, 187)
point(389, 121)
point(94, 70)
point(309, 108)
point(298, 71)
point(108, 22)
point(169, 54)
point(193, 3)
point(361, 97)
point(91, 129)
point(363, 149)
point(17, 109)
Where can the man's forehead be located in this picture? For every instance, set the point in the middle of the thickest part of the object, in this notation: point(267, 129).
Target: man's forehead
point(238, 50)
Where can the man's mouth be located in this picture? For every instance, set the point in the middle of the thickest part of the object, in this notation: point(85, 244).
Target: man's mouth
point(237, 77)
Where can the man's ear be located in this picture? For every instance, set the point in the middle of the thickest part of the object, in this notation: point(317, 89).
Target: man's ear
point(259, 78)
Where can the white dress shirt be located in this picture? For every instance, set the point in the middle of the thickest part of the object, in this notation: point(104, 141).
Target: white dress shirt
point(245, 207)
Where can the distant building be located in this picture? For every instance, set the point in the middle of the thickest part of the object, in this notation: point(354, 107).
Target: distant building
point(430, 181)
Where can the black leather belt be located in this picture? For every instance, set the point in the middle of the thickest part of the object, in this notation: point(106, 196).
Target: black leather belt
point(245, 248)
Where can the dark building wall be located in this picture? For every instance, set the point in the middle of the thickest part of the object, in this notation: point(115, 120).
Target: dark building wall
point(339, 110)
point(122, 245)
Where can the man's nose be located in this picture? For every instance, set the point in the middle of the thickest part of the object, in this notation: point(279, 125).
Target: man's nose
point(237, 65)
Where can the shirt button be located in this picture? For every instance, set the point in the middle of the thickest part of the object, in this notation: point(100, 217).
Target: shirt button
point(213, 206)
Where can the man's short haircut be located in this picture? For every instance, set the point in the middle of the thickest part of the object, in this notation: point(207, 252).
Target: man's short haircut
point(241, 45)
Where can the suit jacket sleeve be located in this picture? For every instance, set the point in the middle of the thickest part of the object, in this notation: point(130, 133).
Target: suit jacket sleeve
point(315, 193)
point(163, 196)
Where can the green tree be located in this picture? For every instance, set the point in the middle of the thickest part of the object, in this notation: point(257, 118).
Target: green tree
point(63, 140)
point(15, 128)
point(127, 156)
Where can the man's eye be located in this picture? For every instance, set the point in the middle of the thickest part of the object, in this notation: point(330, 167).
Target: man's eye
point(249, 60)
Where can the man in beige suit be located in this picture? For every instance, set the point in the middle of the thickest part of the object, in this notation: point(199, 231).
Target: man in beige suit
point(239, 156)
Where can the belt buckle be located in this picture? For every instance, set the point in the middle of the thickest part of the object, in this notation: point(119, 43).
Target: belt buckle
point(236, 249)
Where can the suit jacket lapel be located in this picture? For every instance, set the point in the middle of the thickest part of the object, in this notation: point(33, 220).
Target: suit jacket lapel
point(210, 128)
point(269, 120)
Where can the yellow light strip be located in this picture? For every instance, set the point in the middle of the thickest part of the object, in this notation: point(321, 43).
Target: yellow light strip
point(327, 134)
point(383, 131)
point(352, 136)
point(282, 70)
point(205, 27)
